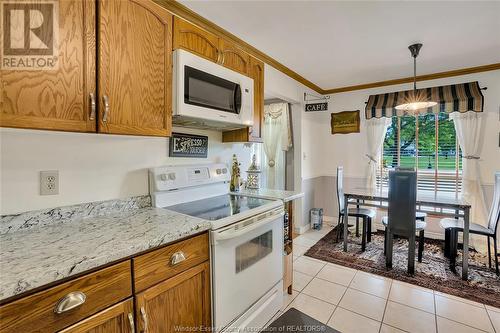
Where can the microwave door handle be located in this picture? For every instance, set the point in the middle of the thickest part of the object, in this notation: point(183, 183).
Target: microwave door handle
point(231, 233)
point(237, 98)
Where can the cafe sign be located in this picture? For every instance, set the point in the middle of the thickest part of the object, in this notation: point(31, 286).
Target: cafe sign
point(316, 107)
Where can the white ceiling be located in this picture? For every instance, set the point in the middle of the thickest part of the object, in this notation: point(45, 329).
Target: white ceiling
point(342, 43)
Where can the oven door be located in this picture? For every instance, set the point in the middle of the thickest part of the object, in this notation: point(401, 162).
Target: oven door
point(247, 263)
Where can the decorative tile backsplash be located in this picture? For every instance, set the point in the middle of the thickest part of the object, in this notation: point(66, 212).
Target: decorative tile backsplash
point(68, 214)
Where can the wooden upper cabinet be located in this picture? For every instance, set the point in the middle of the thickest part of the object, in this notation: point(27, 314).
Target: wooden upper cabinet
point(193, 39)
point(116, 319)
point(135, 68)
point(233, 57)
point(59, 98)
point(181, 301)
point(253, 133)
point(257, 74)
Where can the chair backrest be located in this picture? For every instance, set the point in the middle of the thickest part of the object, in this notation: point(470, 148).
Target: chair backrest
point(494, 215)
point(402, 202)
point(340, 187)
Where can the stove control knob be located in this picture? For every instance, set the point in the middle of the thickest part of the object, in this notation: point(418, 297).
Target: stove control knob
point(171, 176)
point(163, 177)
point(224, 171)
point(218, 171)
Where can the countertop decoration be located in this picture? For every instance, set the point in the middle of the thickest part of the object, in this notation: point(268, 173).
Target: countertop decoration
point(253, 174)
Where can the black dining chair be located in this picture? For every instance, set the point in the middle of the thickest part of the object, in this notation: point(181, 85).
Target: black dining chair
point(420, 216)
point(367, 215)
point(401, 219)
point(454, 226)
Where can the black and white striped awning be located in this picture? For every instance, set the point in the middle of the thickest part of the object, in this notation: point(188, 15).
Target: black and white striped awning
point(453, 98)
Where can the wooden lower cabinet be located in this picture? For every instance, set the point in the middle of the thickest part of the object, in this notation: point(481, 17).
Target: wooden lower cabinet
point(116, 319)
point(182, 301)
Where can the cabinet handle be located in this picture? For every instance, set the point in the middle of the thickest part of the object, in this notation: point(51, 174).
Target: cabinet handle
point(92, 106)
point(70, 302)
point(177, 258)
point(105, 99)
point(144, 319)
point(131, 322)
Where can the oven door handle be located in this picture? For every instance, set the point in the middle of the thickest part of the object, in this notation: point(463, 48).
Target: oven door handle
point(231, 233)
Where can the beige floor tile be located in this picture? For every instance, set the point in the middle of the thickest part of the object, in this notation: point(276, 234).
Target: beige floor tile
point(413, 286)
point(363, 303)
point(492, 308)
point(313, 235)
point(308, 266)
point(409, 319)
point(460, 299)
point(287, 299)
point(495, 319)
point(300, 280)
point(295, 257)
point(274, 318)
point(299, 250)
point(337, 274)
point(463, 313)
point(303, 241)
point(371, 284)
point(313, 307)
point(414, 297)
point(325, 291)
point(346, 321)
point(389, 329)
point(448, 326)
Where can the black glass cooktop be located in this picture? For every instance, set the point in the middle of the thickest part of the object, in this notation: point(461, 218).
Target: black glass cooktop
point(219, 207)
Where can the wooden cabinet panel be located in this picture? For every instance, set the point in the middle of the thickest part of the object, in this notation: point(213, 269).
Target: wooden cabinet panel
point(234, 58)
point(56, 99)
point(116, 319)
point(254, 133)
point(193, 39)
point(35, 313)
point(181, 301)
point(135, 68)
point(157, 266)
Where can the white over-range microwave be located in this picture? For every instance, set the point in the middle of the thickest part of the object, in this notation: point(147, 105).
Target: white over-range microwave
point(208, 95)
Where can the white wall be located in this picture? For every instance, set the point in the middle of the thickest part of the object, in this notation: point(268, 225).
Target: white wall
point(92, 167)
point(325, 151)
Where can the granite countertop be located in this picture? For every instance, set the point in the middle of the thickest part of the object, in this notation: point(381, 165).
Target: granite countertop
point(265, 193)
point(40, 255)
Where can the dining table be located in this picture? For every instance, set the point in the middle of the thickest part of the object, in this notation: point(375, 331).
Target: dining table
point(440, 204)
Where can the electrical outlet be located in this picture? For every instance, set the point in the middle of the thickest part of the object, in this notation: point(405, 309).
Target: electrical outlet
point(49, 182)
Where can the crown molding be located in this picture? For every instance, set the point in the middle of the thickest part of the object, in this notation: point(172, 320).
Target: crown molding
point(425, 77)
point(187, 14)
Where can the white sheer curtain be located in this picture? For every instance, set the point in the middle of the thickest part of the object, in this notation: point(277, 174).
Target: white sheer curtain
point(468, 128)
point(276, 134)
point(376, 128)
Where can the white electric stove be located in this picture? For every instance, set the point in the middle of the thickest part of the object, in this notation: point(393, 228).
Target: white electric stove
point(246, 241)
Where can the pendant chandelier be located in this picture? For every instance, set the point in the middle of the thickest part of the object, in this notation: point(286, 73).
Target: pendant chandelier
point(416, 101)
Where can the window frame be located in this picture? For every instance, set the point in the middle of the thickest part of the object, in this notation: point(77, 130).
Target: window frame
point(457, 156)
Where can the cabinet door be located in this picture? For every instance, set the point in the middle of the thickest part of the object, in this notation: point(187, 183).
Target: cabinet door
point(254, 133)
point(116, 319)
point(135, 68)
point(182, 301)
point(257, 74)
point(195, 40)
point(233, 57)
point(59, 98)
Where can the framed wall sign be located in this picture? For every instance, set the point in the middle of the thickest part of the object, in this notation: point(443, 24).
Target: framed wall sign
point(188, 145)
point(316, 107)
point(345, 122)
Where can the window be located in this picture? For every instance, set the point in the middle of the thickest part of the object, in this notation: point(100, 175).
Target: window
point(428, 143)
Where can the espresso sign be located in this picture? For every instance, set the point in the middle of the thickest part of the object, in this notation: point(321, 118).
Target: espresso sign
point(316, 107)
point(188, 145)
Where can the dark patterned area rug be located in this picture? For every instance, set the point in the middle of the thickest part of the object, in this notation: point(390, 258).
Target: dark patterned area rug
point(433, 273)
